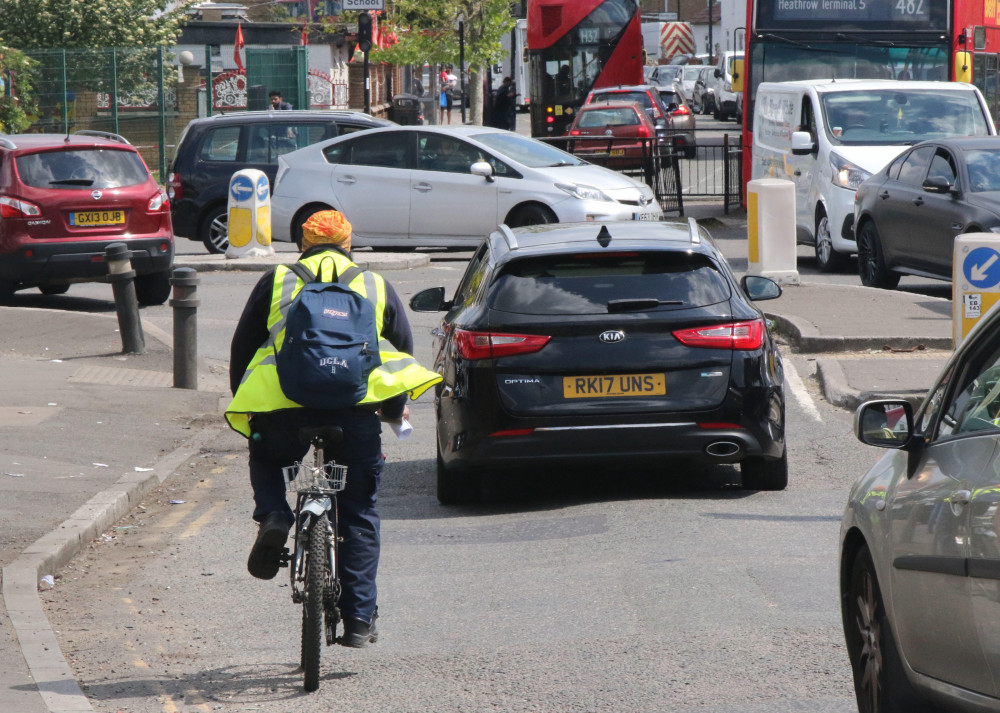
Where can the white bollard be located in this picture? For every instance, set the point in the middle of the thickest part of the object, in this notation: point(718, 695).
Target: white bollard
point(771, 230)
point(249, 215)
point(975, 280)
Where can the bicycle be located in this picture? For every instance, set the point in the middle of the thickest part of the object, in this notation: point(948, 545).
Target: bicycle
point(313, 560)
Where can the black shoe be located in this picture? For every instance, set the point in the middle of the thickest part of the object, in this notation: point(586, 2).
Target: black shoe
point(265, 557)
point(358, 633)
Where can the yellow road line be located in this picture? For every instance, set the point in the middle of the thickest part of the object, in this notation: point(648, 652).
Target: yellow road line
point(176, 515)
point(195, 527)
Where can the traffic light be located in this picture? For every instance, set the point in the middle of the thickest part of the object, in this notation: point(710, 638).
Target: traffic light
point(364, 31)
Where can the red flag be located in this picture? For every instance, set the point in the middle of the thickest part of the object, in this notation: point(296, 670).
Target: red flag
point(238, 47)
point(305, 36)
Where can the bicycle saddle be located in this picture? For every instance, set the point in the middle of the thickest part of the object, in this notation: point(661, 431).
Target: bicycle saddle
point(321, 436)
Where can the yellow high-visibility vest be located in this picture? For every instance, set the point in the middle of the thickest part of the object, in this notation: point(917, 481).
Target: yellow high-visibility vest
point(259, 390)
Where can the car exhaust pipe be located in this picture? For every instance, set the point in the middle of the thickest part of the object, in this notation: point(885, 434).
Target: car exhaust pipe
point(723, 449)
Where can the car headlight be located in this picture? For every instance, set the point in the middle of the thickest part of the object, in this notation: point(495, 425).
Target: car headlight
point(584, 193)
point(847, 174)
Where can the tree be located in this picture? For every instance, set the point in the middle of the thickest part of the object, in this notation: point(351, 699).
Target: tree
point(17, 100)
point(428, 32)
point(35, 24)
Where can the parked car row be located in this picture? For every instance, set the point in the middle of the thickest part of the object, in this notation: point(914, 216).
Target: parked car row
point(860, 187)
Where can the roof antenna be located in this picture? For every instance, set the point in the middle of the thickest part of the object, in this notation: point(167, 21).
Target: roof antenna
point(604, 237)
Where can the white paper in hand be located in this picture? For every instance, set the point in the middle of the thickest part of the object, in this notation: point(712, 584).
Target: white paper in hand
point(403, 429)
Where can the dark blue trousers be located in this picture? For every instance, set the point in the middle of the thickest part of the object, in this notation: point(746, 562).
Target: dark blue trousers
point(361, 452)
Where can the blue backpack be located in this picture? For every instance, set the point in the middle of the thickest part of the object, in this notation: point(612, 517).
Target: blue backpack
point(331, 343)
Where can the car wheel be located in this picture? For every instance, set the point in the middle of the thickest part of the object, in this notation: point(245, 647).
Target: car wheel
point(871, 259)
point(456, 487)
point(214, 231)
point(7, 289)
point(880, 683)
point(827, 259)
point(530, 215)
point(53, 289)
point(765, 474)
point(152, 289)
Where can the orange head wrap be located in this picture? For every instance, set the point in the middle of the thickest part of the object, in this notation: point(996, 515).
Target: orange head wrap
point(326, 227)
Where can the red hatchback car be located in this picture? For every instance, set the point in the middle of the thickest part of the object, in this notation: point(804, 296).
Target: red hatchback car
point(628, 133)
point(65, 198)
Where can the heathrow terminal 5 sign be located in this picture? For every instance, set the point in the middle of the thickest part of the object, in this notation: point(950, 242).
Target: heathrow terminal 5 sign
point(883, 15)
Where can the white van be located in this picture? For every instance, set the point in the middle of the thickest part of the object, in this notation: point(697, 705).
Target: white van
point(828, 136)
point(722, 86)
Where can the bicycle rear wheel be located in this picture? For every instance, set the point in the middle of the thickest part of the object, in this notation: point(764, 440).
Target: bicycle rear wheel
point(317, 576)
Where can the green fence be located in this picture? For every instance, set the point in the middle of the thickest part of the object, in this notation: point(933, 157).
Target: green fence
point(148, 97)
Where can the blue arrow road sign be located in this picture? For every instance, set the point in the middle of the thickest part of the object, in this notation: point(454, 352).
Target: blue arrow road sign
point(241, 188)
point(981, 268)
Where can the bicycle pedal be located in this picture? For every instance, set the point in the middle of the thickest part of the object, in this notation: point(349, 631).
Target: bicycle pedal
point(285, 557)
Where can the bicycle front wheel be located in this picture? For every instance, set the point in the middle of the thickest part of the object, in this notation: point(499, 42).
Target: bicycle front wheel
point(317, 576)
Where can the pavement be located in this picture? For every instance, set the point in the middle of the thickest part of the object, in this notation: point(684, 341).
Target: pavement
point(86, 431)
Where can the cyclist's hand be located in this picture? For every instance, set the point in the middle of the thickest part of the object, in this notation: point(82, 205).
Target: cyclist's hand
point(404, 417)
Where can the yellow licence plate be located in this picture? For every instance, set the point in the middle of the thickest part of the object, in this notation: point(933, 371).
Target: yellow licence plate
point(616, 152)
point(585, 387)
point(97, 217)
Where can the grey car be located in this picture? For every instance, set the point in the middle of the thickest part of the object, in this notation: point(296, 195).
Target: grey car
point(703, 96)
point(920, 543)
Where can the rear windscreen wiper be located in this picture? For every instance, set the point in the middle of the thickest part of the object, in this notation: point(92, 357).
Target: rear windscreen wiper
point(639, 303)
point(73, 182)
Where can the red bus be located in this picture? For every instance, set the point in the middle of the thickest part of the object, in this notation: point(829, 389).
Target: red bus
point(575, 46)
point(956, 40)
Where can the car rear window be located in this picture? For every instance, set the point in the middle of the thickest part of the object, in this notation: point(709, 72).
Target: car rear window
point(623, 116)
point(640, 98)
point(585, 283)
point(82, 168)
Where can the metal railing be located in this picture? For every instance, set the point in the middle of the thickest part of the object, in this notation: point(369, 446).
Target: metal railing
point(714, 171)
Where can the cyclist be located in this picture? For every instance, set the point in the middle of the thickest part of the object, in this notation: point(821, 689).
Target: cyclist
point(270, 421)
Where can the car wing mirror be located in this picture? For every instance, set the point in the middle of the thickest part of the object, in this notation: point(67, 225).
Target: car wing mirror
point(937, 184)
point(758, 287)
point(802, 143)
point(884, 423)
point(482, 168)
point(430, 300)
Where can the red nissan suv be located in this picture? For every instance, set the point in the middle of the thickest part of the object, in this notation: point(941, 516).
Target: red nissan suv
point(64, 198)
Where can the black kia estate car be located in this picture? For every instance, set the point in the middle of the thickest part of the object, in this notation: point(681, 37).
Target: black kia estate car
point(591, 344)
point(212, 149)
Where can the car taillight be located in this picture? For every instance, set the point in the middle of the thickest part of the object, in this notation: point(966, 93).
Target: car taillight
point(680, 111)
point(736, 335)
point(489, 345)
point(158, 202)
point(14, 208)
point(574, 132)
point(642, 132)
point(174, 191)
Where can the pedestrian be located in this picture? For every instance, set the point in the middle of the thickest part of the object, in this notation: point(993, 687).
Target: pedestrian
point(503, 105)
point(270, 421)
point(277, 102)
point(447, 98)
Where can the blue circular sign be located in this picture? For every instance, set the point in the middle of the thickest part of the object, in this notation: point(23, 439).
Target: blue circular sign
point(981, 267)
point(241, 188)
point(262, 188)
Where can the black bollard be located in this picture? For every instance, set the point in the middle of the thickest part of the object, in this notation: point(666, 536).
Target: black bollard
point(122, 279)
point(185, 304)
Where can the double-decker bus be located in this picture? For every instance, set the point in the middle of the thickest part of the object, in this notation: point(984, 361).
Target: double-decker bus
point(575, 46)
point(957, 40)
